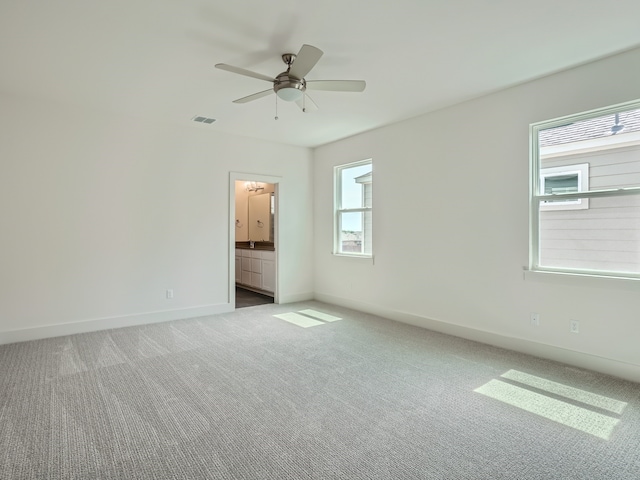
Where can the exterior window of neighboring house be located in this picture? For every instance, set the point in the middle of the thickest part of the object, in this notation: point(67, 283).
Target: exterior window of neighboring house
point(565, 179)
point(353, 208)
point(585, 193)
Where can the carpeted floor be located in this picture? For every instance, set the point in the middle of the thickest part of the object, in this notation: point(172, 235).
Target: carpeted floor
point(247, 395)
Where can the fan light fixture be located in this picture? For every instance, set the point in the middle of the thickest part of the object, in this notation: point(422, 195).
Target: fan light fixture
point(288, 87)
point(289, 94)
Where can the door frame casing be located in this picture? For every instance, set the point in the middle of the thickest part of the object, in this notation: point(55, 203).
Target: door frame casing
point(252, 177)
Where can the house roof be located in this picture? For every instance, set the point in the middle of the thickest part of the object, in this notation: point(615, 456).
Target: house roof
point(364, 178)
point(593, 128)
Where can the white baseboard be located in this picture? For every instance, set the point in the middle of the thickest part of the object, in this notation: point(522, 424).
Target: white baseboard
point(617, 368)
point(93, 325)
point(296, 297)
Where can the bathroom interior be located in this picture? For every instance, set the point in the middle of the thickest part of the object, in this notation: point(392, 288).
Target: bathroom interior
point(255, 253)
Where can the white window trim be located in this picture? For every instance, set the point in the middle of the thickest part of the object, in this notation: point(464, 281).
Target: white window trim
point(535, 199)
point(338, 210)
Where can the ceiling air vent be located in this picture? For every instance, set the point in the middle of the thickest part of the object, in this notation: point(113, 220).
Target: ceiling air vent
point(204, 120)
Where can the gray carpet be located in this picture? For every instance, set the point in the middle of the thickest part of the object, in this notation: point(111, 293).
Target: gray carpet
point(247, 395)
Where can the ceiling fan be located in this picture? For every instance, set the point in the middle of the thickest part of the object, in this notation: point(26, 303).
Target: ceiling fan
point(291, 85)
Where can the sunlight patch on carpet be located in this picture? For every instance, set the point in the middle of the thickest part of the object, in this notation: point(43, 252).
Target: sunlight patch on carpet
point(307, 318)
point(319, 315)
point(567, 414)
point(593, 399)
point(299, 320)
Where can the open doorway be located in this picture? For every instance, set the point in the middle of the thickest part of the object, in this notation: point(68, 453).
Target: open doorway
point(254, 239)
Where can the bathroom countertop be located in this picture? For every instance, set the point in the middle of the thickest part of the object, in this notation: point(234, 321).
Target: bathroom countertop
point(258, 246)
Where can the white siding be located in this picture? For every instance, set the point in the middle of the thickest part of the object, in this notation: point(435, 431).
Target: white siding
point(367, 218)
point(606, 236)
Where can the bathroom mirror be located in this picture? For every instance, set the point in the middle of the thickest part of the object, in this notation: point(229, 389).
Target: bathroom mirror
point(261, 214)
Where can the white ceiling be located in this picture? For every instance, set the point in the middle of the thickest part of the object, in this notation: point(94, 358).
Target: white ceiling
point(154, 59)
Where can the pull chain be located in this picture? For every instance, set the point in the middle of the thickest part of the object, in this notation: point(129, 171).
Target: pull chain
point(276, 107)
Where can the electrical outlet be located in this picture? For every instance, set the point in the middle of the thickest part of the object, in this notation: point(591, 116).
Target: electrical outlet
point(169, 294)
point(574, 326)
point(535, 319)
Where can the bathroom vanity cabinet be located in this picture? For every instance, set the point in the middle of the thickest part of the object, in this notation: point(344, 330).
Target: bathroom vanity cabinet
point(256, 269)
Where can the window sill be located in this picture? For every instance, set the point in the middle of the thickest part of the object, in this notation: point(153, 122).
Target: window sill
point(582, 279)
point(350, 255)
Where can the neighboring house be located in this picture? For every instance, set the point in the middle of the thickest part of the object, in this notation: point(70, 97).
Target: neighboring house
point(595, 154)
point(351, 242)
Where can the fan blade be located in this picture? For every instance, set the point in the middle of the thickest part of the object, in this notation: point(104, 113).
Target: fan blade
point(307, 105)
point(306, 59)
point(242, 71)
point(253, 97)
point(337, 85)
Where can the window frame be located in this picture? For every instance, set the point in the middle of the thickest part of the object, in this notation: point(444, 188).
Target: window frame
point(338, 210)
point(535, 198)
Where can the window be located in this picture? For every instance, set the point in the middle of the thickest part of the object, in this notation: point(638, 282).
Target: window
point(585, 193)
point(353, 208)
point(565, 179)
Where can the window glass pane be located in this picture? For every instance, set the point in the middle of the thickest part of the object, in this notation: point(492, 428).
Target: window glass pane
point(366, 230)
point(353, 182)
point(561, 184)
point(608, 144)
point(355, 232)
point(601, 154)
point(605, 237)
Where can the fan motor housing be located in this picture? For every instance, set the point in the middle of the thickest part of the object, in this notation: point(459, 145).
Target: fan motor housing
point(284, 81)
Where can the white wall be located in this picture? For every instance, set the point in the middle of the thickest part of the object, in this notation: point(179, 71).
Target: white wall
point(102, 213)
point(451, 226)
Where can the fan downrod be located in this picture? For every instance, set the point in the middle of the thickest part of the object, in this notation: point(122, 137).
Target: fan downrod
point(288, 58)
